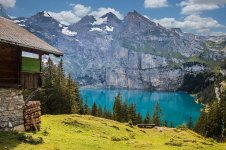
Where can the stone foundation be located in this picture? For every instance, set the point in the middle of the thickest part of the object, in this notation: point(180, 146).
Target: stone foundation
point(11, 110)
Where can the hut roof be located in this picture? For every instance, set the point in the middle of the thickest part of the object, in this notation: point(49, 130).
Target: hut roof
point(12, 33)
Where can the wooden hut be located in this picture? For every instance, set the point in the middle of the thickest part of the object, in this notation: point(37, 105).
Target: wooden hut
point(20, 68)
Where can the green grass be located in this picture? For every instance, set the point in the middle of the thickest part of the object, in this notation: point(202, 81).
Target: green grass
point(213, 65)
point(76, 132)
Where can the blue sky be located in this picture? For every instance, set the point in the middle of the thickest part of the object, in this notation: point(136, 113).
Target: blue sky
point(205, 17)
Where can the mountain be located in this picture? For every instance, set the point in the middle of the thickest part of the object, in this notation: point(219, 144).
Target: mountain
point(133, 53)
point(3, 12)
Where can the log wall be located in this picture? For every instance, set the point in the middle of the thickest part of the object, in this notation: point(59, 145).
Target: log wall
point(9, 65)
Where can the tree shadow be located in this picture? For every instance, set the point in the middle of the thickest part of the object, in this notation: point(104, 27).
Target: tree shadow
point(9, 140)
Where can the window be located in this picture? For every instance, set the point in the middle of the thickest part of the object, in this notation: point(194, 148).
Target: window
point(30, 62)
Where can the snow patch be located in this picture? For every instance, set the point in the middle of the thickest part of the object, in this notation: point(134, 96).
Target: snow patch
point(105, 29)
point(68, 32)
point(99, 21)
point(60, 25)
point(96, 29)
point(46, 14)
point(16, 21)
point(109, 29)
point(22, 25)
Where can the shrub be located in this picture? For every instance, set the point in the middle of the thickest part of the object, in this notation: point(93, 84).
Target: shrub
point(113, 138)
point(172, 142)
point(28, 138)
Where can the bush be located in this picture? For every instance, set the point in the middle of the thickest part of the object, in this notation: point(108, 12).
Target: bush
point(182, 127)
point(28, 138)
point(45, 132)
point(172, 142)
point(124, 138)
point(113, 138)
point(130, 123)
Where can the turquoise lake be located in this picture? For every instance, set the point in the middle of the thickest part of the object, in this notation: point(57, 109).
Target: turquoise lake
point(177, 107)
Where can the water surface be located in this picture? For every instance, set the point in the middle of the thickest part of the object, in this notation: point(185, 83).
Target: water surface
point(176, 106)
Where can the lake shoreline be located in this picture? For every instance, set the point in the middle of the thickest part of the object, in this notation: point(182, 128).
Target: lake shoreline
point(179, 104)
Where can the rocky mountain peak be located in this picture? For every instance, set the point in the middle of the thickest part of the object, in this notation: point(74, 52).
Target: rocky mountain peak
point(137, 17)
point(177, 30)
point(84, 24)
point(87, 19)
point(110, 15)
point(112, 19)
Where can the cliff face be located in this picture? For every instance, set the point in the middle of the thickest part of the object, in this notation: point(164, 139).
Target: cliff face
point(133, 53)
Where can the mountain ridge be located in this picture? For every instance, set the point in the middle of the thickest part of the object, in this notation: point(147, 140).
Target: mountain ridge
point(133, 53)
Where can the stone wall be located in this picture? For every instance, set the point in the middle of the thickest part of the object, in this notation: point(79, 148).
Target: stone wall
point(11, 110)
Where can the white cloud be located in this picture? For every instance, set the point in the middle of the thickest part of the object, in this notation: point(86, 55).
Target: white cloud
point(8, 3)
point(155, 3)
point(79, 11)
point(102, 11)
point(71, 16)
point(196, 23)
point(198, 6)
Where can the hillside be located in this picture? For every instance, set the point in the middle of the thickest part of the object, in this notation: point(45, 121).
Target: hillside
point(76, 132)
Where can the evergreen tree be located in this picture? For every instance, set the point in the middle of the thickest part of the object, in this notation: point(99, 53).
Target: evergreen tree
point(147, 119)
point(60, 72)
point(190, 123)
point(139, 119)
point(94, 109)
point(99, 111)
point(157, 115)
point(86, 109)
point(165, 124)
point(132, 113)
point(201, 125)
point(214, 121)
point(222, 104)
point(59, 93)
point(171, 125)
point(105, 112)
point(124, 112)
point(117, 108)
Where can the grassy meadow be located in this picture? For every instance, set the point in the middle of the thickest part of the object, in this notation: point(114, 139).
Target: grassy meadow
point(76, 132)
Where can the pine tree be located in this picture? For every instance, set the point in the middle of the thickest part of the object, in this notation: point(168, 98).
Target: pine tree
point(190, 123)
point(117, 108)
point(214, 121)
point(132, 113)
point(99, 111)
point(59, 94)
point(94, 110)
point(60, 72)
point(165, 124)
point(139, 119)
point(147, 119)
point(201, 125)
point(222, 105)
point(86, 109)
point(105, 112)
point(124, 112)
point(171, 125)
point(157, 115)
